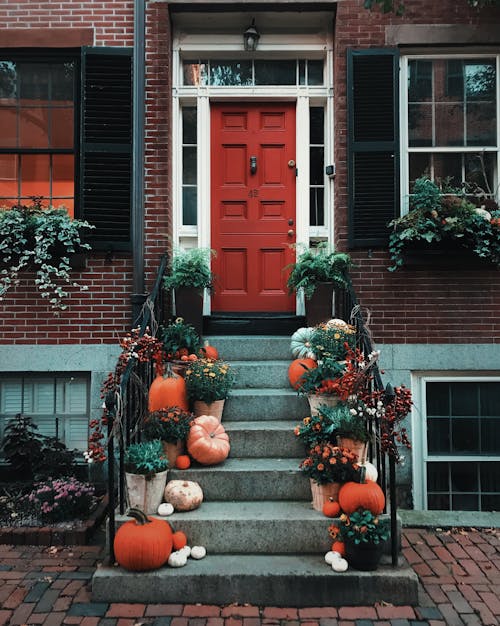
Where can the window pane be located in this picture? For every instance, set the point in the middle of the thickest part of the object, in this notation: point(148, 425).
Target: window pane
point(489, 394)
point(438, 435)
point(189, 175)
point(35, 175)
point(464, 398)
point(419, 125)
point(316, 166)
point(420, 165)
point(189, 124)
point(455, 79)
point(230, 72)
point(490, 503)
point(465, 502)
point(449, 125)
point(480, 80)
point(464, 477)
point(481, 124)
point(34, 127)
point(189, 213)
point(315, 72)
point(63, 186)
point(8, 80)
point(490, 435)
point(8, 176)
point(448, 166)
point(62, 130)
point(195, 74)
point(419, 81)
point(439, 502)
point(302, 72)
point(438, 402)
point(317, 206)
point(34, 81)
point(465, 435)
point(275, 73)
point(437, 477)
point(8, 127)
point(62, 86)
point(317, 125)
point(490, 476)
point(479, 166)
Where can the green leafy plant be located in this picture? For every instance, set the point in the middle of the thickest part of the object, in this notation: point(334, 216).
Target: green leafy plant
point(209, 380)
point(360, 527)
point(317, 265)
point(42, 240)
point(315, 429)
point(22, 445)
point(171, 424)
point(445, 215)
point(190, 268)
point(348, 419)
point(56, 460)
point(321, 379)
point(327, 463)
point(179, 336)
point(146, 458)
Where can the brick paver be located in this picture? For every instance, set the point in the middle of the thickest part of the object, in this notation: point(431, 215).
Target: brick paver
point(459, 573)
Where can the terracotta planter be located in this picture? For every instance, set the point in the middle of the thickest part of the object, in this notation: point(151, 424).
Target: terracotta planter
point(323, 493)
point(145, 493)
point(316, 400)
point(189, 306)
point(363, 556)
point(320, 306)
point(214, 408)
point(172, 451)
point(360, 448)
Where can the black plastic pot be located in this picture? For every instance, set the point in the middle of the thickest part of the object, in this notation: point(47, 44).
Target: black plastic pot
point(363, 556)
point(319, 307)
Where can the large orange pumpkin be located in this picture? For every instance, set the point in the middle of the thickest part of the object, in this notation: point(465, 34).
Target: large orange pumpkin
point(297, 368)
point(167, 391)
point(143, 543)
point(367, 495)
point(208, 442)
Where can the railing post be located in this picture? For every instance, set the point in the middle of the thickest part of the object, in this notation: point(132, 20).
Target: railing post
point(394, 521)
point(111, 408)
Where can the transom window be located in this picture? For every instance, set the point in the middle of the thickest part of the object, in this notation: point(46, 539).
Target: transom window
point(37, 131)
point(463, 445)
point(452, 130)
point(248, 73)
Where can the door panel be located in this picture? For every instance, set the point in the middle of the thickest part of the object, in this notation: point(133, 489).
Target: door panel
point(253, 208)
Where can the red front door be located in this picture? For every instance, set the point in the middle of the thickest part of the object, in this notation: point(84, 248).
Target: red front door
point(253, 205)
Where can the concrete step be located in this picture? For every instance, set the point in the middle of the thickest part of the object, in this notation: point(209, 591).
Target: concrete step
point(265, 404)
point(273, 438)
point(261, 374)
point(249, 479)
point(261, 579)
point(252, 347)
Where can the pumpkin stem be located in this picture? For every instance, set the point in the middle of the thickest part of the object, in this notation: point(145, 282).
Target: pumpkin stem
point(140, 517)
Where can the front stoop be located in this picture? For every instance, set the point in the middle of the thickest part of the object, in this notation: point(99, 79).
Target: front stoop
point(265, 542)
point(277, 580)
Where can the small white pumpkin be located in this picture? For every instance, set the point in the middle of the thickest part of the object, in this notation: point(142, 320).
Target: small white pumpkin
point(330, 557)
point(340, 565)
point(177, 559)
point(370, 471)
point(165, 509)
point(186, 550)
point(300, 344)
point(198, 552)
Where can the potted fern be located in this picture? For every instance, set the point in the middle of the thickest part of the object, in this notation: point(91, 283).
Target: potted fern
point(189, 276)
point(316, 273)
point(146, 475)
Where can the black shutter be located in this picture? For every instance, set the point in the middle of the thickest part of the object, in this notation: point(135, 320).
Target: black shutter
point(106, 145)
point(373, 156)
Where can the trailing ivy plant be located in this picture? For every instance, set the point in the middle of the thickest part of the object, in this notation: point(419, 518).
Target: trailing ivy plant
point(34, 238)
point(397, 7)
point(441, 215)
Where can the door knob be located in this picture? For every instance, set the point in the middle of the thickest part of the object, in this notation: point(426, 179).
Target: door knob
point(253, 165)
point(291, 232)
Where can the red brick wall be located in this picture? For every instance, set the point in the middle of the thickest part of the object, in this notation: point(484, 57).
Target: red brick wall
point(102, 313)
point(409, 306)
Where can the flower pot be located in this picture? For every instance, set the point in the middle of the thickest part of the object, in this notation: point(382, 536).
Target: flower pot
point(172, 450)
point(323, 493)
point(360, 448)
point(214, 408)
point(189, 306)
point(145, 493)
point(317, 399)
point(363, 556)
point(320, 305)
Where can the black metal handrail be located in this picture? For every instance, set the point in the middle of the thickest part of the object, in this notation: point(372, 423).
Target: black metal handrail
point(347, 308)
point(133, 403)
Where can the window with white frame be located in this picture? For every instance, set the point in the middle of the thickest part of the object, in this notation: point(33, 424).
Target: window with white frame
point(461, 444)
point(452, 131)
point(58, 404)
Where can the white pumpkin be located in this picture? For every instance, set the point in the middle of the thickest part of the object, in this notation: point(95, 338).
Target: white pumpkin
point(331, 556)
point(371, 471)
point(300, 346)
point(165, 509)
point(340, 565)
point(184, 495)
point(177, 559)
point(186, 550)
point(198, 552)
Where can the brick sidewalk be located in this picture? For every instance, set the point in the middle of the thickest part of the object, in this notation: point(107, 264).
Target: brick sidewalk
point(459, 573)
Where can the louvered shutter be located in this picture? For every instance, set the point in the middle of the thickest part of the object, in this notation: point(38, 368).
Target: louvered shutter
point(106, 145)
point(373, 159)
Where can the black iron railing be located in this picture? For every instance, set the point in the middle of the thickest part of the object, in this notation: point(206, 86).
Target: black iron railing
point(347, 308)
point(127, 404)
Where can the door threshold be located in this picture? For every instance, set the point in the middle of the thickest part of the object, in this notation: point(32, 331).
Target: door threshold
point(252, 323)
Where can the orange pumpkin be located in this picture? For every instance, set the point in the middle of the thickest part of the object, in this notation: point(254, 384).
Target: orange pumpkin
point(179, 540)
point(182, 462)
point(367, 495)
point(297, 368)
point(167, 391)
point(143, 543)
point(338, 546)
point(209, 352)
point(331, 508)
point(208, 442)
